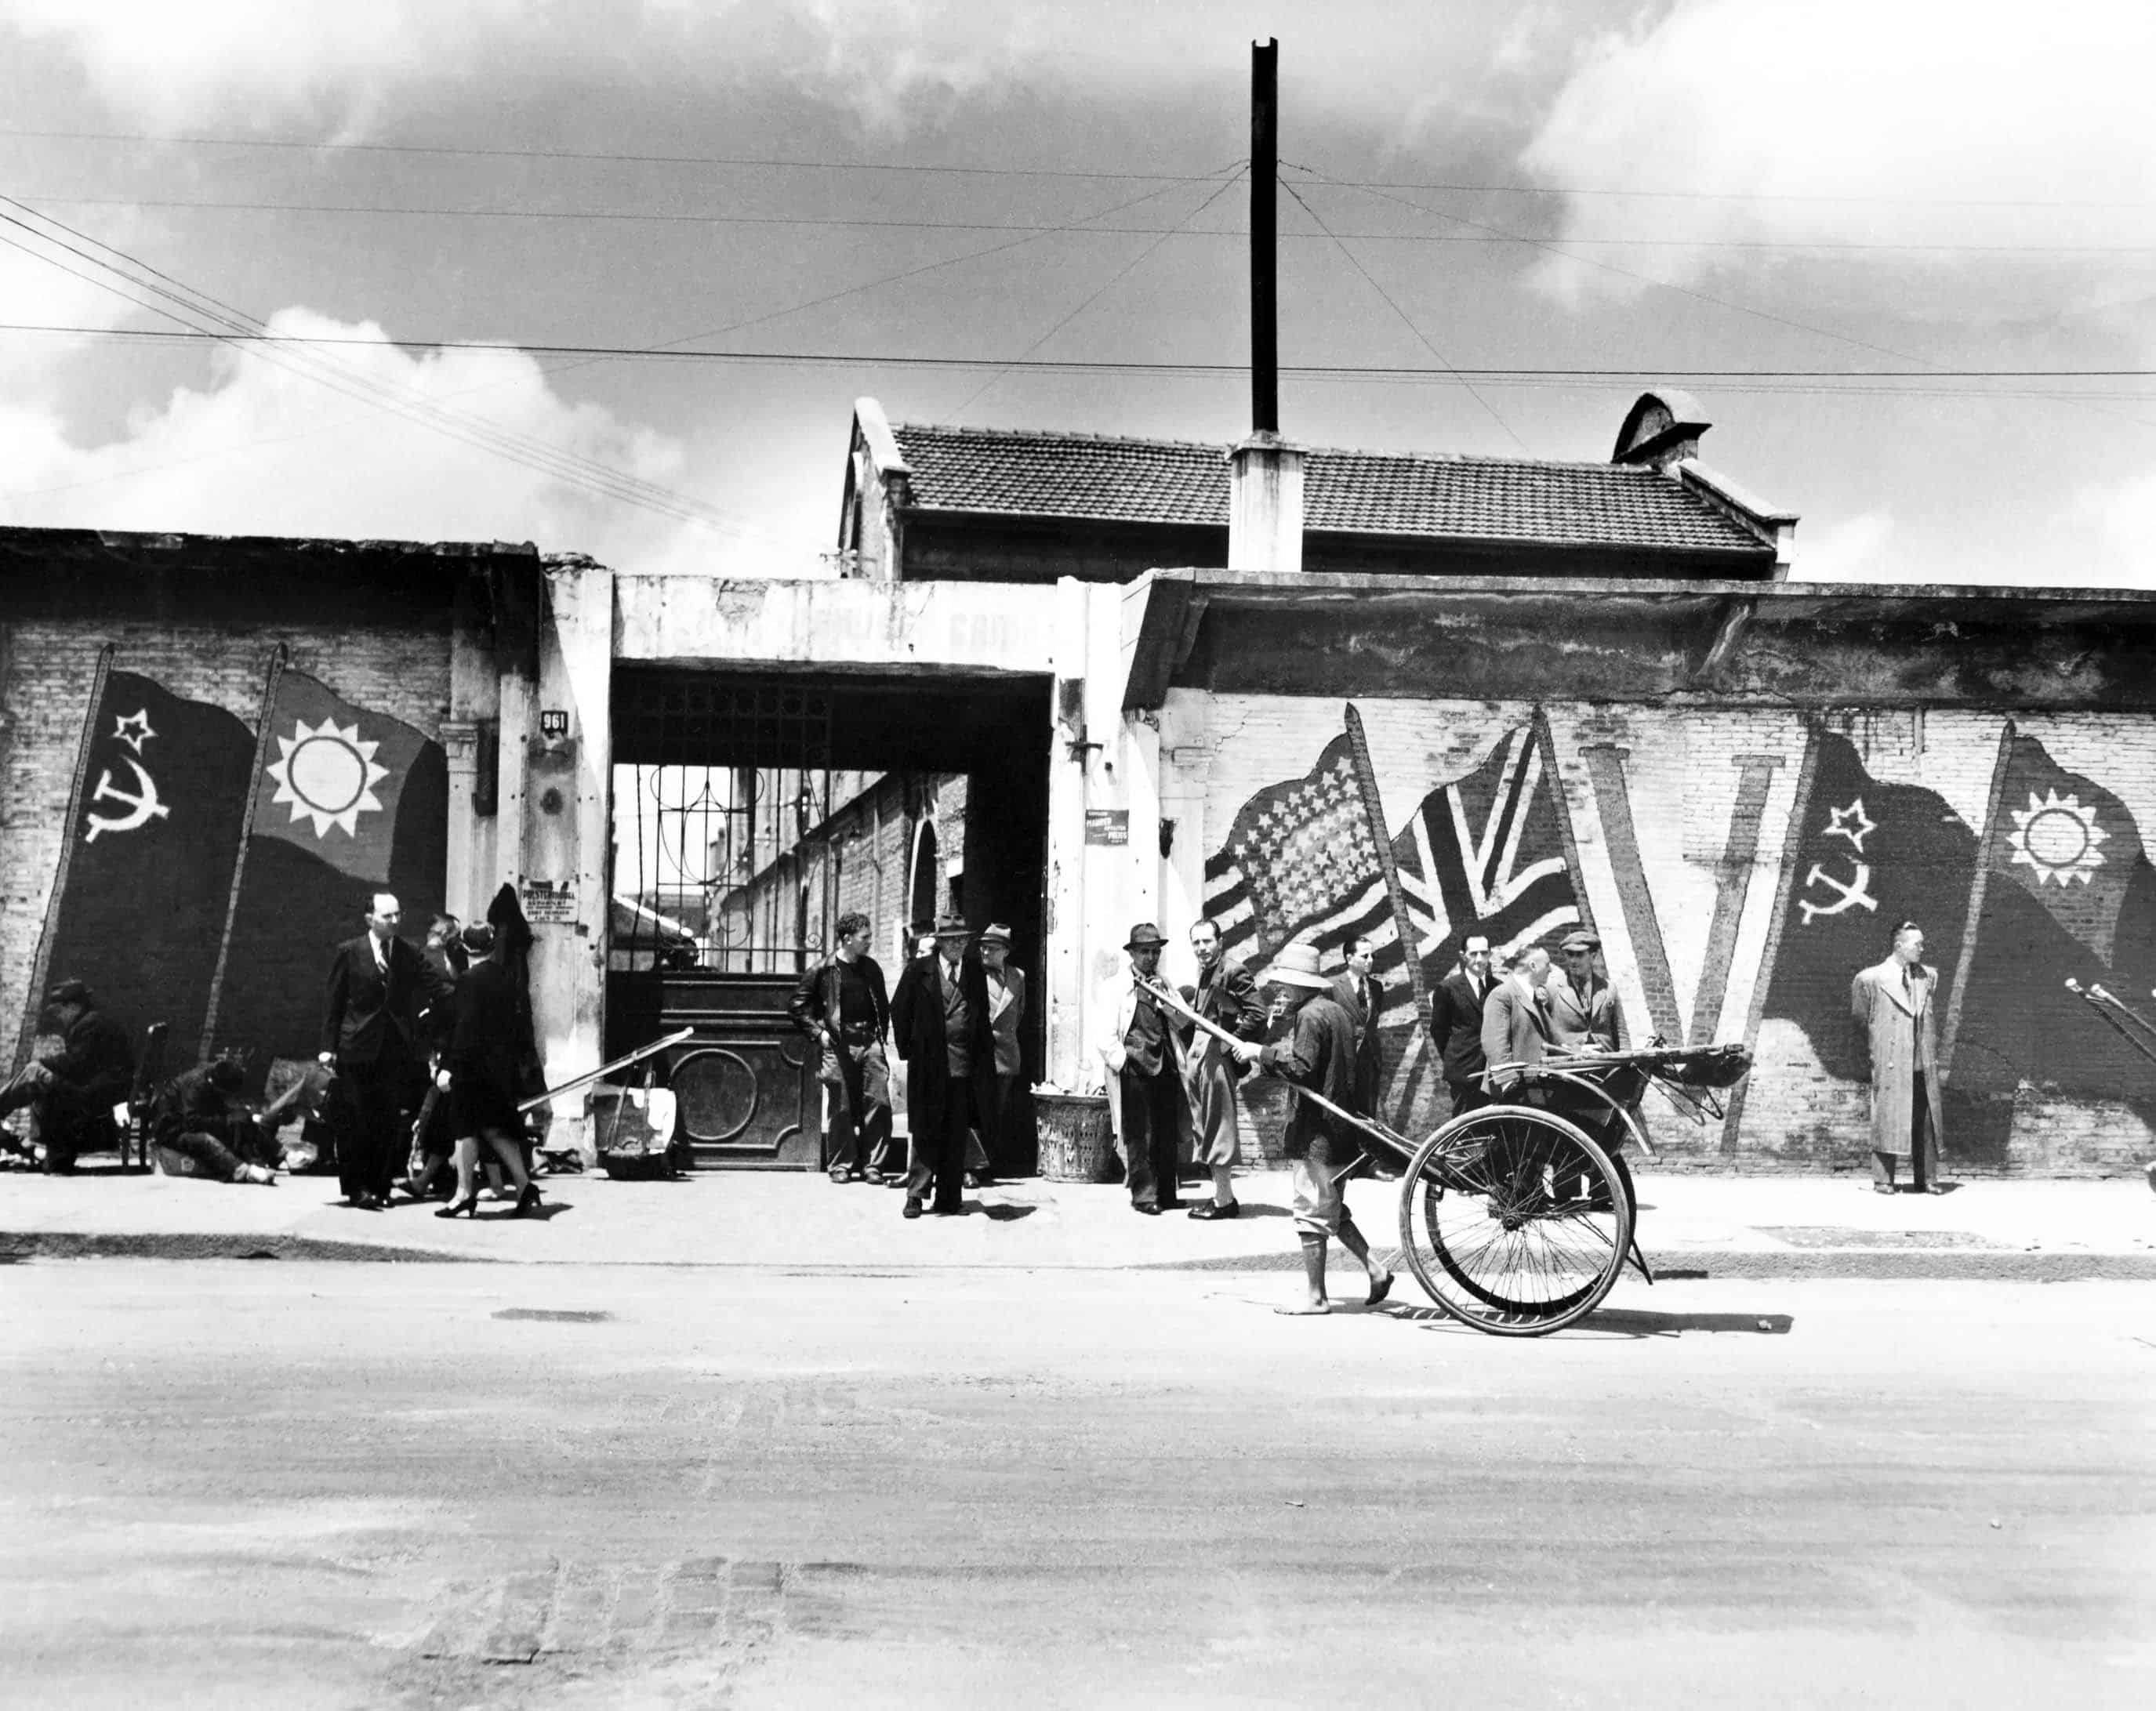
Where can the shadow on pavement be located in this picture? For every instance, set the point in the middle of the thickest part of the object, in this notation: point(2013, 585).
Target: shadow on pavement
point(1636, 1322)
point(1004, 1213)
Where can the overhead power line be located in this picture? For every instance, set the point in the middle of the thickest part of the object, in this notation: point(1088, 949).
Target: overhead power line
point(825, 165)
point(1407, 320)
point(160, 294)
point(774, 161)
point(1108, 366)
point(878, 222)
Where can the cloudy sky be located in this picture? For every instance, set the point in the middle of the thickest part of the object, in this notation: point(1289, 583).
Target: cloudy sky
point(1901, 250)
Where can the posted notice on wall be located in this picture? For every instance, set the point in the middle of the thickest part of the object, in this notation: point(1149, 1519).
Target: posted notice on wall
point(549, 902)
point(1107, 825)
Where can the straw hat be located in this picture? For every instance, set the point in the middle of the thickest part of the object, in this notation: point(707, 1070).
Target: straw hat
point(1295, 965)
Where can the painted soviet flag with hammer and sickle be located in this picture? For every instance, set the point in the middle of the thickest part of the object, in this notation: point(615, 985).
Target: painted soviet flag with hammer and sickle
point(162, 795)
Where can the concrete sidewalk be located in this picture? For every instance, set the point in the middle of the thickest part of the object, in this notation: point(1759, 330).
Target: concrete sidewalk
point(1690, 1226)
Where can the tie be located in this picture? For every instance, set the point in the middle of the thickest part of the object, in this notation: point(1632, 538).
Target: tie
point(1363, 995)
point(380, 962)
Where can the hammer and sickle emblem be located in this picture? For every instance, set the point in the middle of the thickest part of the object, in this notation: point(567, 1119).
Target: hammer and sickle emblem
point(1852, 895)
point(143, 806)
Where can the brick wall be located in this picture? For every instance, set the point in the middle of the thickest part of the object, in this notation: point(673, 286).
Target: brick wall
point(399, 667)
point(1741, 865)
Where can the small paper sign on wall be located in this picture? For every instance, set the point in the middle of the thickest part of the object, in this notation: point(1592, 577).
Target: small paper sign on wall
point(549, 904)
point(1107, 826)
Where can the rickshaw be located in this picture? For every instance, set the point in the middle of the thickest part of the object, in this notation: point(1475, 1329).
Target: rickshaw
point(1517, 1217)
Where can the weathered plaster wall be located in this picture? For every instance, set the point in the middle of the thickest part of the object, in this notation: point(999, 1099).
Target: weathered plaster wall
point(398, 666)
point(1741, 865)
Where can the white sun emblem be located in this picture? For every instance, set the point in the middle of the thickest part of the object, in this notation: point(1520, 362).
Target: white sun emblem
point(2058, 838)
point(327, 774)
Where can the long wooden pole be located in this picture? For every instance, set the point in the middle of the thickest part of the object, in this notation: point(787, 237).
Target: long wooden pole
point(590, 1076)
point(1167, 995)
point(1265, 259)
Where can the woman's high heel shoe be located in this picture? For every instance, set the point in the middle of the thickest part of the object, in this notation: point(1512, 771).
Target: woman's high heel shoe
point(527, 1202)
point(460, 1208)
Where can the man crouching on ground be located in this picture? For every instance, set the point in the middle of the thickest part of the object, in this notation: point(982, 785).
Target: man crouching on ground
point(1321, 1149)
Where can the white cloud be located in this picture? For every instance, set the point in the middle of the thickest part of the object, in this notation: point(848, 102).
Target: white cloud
point(263, 450)
point(892, 65)
point(2123, 516)
point(170, 64)
point(1856, 121)
point(1852, 551)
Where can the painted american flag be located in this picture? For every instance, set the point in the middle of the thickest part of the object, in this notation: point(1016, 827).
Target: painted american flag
point(1483, 853)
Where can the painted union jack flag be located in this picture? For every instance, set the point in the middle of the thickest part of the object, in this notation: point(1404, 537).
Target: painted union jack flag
point(1487, 854)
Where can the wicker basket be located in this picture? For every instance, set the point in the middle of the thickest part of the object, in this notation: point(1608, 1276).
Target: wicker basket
point(1077, 1143)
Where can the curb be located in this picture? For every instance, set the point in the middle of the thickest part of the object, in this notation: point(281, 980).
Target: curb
point(1754, 1264)
point(1891, 1265)
point(67, 1244)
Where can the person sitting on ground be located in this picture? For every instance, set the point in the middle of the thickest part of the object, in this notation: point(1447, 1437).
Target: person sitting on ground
point(1321, 1149)
point(200, 1128)
point(71, 1092)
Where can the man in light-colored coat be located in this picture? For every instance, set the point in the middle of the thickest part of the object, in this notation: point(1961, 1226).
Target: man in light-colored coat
point(1143, 1060)
point(1896, 1003)
point(1515, 1027)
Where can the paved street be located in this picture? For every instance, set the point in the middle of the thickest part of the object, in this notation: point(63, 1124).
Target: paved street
point(299, 1485)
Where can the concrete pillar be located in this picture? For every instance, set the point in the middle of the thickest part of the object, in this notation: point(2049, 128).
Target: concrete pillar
point(563, 811)
point(1265, 504)
point(463, 890)
point(1064, 923)
point(1185, 761)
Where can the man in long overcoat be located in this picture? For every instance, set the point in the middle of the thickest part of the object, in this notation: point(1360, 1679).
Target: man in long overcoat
point(1895, 1004)
point(939, 1017)
point(1225, 995)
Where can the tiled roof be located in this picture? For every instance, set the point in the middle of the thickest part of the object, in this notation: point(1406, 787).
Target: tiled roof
point(1367, 493)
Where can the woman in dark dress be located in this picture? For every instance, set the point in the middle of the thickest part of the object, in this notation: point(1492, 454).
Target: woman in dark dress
point(484, 1065)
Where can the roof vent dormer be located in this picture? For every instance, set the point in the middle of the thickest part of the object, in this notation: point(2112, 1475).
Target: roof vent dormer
point(1660, 429)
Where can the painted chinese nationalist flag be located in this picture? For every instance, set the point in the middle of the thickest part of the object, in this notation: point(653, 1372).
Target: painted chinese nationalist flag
point(2071, 895)
point(140, 909)
point(349, 801)
point(1871, 855)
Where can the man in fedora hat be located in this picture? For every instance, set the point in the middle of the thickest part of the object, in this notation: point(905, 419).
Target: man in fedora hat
point(1321, 1149)
point(1145, 1075)
point(994, 1145)
point(939, 1016)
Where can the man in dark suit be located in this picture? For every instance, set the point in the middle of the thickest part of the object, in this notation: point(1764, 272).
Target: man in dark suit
point(1356, 991)
point(1456, 1023)
point(939, 1017)
point(378, 984)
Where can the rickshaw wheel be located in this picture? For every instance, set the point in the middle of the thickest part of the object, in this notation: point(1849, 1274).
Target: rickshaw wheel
point(1514, 1220)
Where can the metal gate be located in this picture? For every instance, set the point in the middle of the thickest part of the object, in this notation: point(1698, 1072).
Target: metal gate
point(719, 780)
